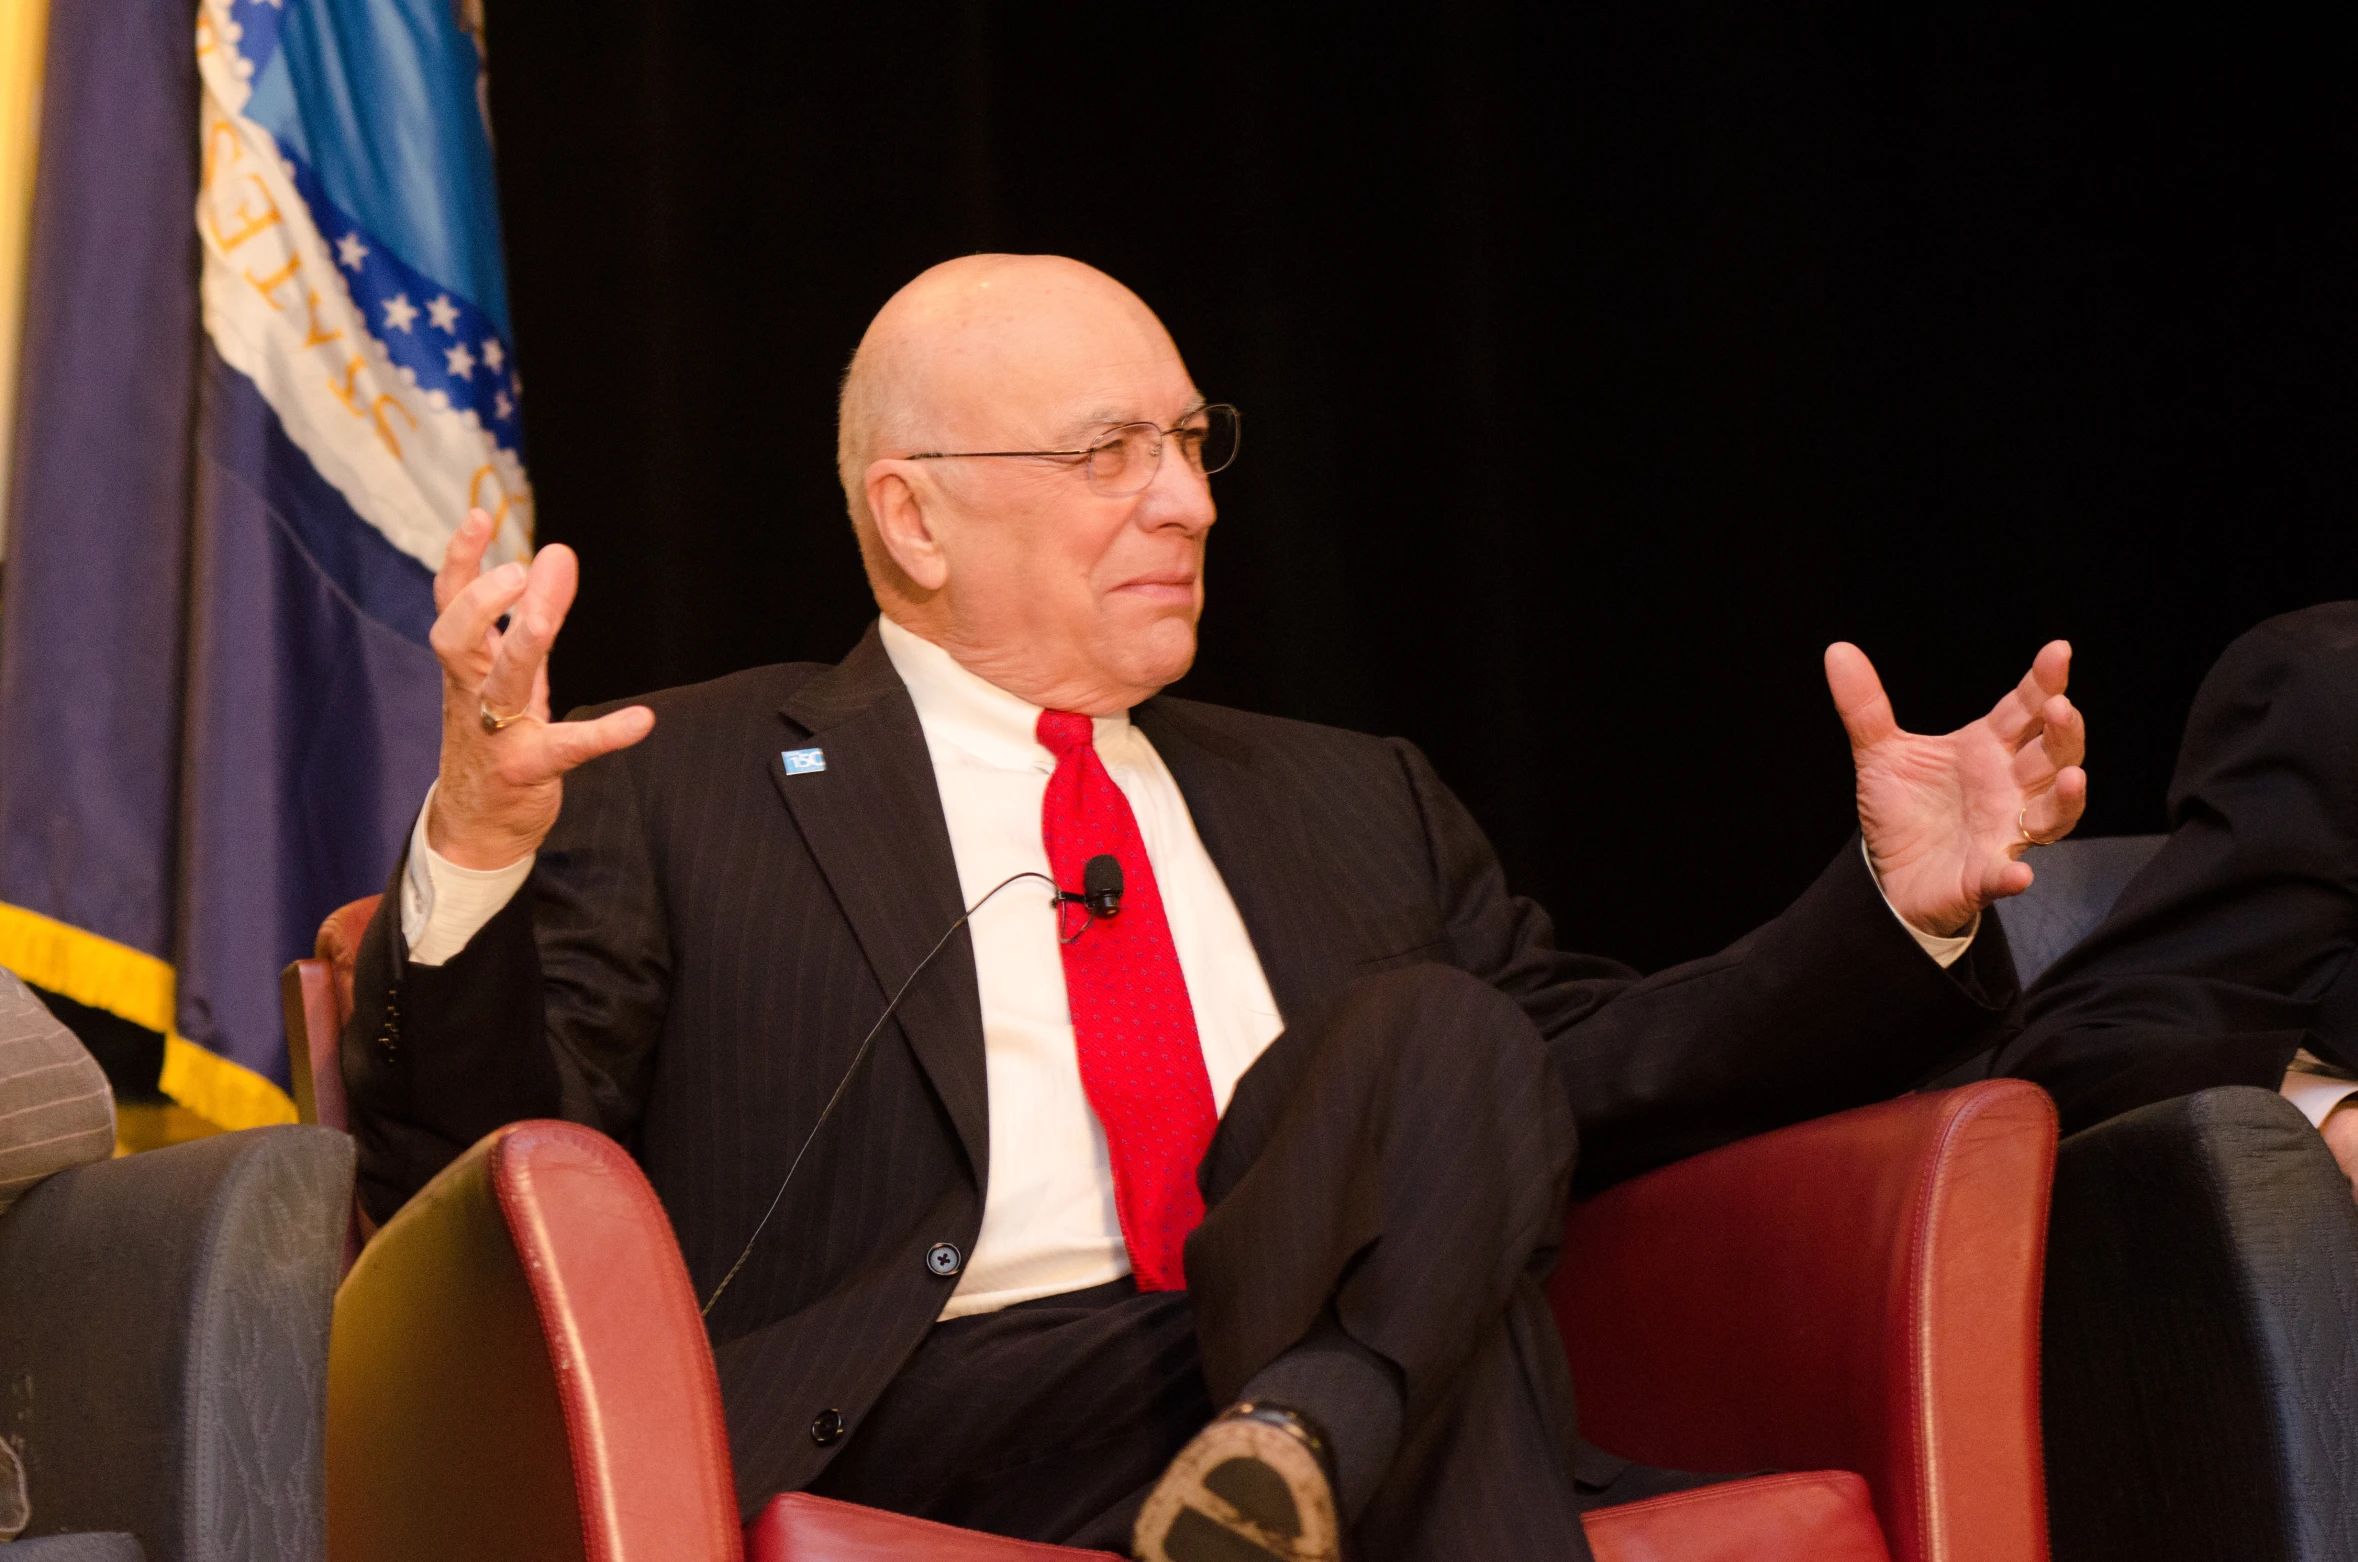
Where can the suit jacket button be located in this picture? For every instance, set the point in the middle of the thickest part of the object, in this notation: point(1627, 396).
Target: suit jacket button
point(827, 1427)
point(944, 1259)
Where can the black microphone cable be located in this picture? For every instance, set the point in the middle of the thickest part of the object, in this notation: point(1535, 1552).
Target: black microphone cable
point(1095, 882)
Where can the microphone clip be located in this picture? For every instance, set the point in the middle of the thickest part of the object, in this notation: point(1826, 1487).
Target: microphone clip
point(1100, 895)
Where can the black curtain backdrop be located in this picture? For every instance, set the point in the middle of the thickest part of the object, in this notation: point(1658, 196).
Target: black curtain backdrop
point(1600, 364)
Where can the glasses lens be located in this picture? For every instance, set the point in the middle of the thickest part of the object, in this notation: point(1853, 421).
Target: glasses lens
point(1210, 438)
point(1124, 461)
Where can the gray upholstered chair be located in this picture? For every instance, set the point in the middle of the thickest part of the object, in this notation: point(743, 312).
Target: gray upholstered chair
point(163, 1349)
point(2201, 1330)
point(2075, 883)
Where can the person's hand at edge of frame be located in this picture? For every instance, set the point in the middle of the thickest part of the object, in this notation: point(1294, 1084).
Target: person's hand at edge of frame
point(2341, 1137)
point(503, 759)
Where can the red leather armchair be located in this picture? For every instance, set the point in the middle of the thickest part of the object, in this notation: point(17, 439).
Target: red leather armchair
point(1861, 1293)
point(315, 997)
point(518, 1369)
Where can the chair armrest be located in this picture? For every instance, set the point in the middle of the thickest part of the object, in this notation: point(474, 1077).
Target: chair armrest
point(78, 1548)
point(519, 1370)
point(315, 998)
point(1857, 1293)
point(2202, 1336)
point(338, 944)
point(164, 1337)
point(315, 1077)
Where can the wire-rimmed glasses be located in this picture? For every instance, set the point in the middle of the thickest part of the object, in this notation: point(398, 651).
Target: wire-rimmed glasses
point(1124, 459)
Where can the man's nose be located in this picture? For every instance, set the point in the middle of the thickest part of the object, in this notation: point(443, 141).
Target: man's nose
point(1179, 495)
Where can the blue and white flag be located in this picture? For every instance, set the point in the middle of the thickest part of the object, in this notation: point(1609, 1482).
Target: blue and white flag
point(218, 708)
point(352, 258)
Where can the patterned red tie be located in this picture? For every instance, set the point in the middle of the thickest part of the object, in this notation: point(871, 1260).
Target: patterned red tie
point(1141, 1064)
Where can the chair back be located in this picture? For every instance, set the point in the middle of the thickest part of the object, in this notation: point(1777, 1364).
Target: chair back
point(2075, 886)
point(164, 1323)
point(1856, 1293)
point(2202, 1337)
point(518, 1369)
point(315, 996)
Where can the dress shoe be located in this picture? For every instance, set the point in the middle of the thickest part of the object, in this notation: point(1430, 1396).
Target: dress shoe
point(1257, 1485)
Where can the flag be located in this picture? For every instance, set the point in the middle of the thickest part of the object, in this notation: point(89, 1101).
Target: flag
point(267, 369)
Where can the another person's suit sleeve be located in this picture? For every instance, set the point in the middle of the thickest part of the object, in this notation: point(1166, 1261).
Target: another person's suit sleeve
point(56, 1109)
point(2216, 964)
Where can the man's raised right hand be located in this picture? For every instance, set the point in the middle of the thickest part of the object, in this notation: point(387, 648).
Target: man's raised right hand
point(498, 793)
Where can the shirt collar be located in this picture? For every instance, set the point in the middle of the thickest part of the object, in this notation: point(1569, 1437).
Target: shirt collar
point(975, 715)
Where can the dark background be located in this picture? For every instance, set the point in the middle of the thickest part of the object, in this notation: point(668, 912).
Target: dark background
point(1599, 364)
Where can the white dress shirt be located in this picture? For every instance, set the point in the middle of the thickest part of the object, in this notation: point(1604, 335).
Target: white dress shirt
point(1049, 1223)
point(2313, 1085)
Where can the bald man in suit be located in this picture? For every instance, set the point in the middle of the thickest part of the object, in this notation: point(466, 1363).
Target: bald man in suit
point(1211, 1223)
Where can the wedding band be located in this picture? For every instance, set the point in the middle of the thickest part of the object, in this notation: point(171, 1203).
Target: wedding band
point(2022, 823)
point(493, 721)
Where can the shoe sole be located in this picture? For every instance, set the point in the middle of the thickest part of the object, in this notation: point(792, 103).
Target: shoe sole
point(1241, 1491)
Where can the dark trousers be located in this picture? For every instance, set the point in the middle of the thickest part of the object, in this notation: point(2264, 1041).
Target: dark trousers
point(1403, 1159)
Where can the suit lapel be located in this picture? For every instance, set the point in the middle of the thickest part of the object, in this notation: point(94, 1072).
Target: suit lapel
point(873, 820)
point(1261, 849)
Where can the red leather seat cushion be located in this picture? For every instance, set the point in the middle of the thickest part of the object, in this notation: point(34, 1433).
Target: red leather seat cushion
point(799, 1527)
point(1820, 1516)
point(1816, 1516)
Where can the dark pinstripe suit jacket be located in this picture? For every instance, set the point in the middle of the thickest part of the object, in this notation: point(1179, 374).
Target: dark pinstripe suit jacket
point(706, 939)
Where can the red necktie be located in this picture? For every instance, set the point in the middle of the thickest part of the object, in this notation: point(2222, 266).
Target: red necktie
point(1133, 1027)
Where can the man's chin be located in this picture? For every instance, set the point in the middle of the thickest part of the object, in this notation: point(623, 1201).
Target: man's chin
point(1158, 654)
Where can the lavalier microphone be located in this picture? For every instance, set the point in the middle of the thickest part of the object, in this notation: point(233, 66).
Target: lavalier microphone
point(1101, 885)
point(1100, 895)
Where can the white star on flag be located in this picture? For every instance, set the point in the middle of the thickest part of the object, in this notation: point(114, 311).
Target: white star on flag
point(461, 361)
point(493, 353)
point(501, 406)
point(350, 252)
point(399, 312)
point(444, 314)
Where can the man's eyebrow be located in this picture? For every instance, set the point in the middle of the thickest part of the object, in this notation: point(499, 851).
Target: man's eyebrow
point(1108, 419)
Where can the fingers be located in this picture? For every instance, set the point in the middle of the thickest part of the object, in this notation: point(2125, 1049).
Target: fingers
point(2016, 717)
point(2063, 732)
point(463, 636)
point(2059, 738)
point(539, 612)
point(462, 561)
point(571, 743)
point(2051, 668)
point(1858, 696)
point(2056, 813)
point(2010, 877)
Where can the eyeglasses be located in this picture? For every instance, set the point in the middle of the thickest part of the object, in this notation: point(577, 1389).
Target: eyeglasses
point(1125, 459)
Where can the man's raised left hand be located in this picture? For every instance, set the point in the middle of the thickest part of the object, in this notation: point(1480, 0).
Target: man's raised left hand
point(1947, 819)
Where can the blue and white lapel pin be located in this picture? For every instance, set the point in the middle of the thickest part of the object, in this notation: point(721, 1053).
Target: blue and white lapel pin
point(804, 761)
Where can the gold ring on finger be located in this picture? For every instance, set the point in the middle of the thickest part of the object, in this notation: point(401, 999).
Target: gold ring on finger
point(492, 720)
point(2022, 823)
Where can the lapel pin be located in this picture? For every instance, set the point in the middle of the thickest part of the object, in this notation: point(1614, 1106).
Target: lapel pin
point(804, 761)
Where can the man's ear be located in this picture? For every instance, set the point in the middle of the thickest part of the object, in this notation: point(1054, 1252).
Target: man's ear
point(902, 525)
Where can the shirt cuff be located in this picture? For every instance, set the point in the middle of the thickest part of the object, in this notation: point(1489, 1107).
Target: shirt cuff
point(2315, 1094)
point(444, 905)
point(1945, 952)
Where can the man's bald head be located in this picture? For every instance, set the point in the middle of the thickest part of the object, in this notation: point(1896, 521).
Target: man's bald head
point(1024, 569)
point(963, 340)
